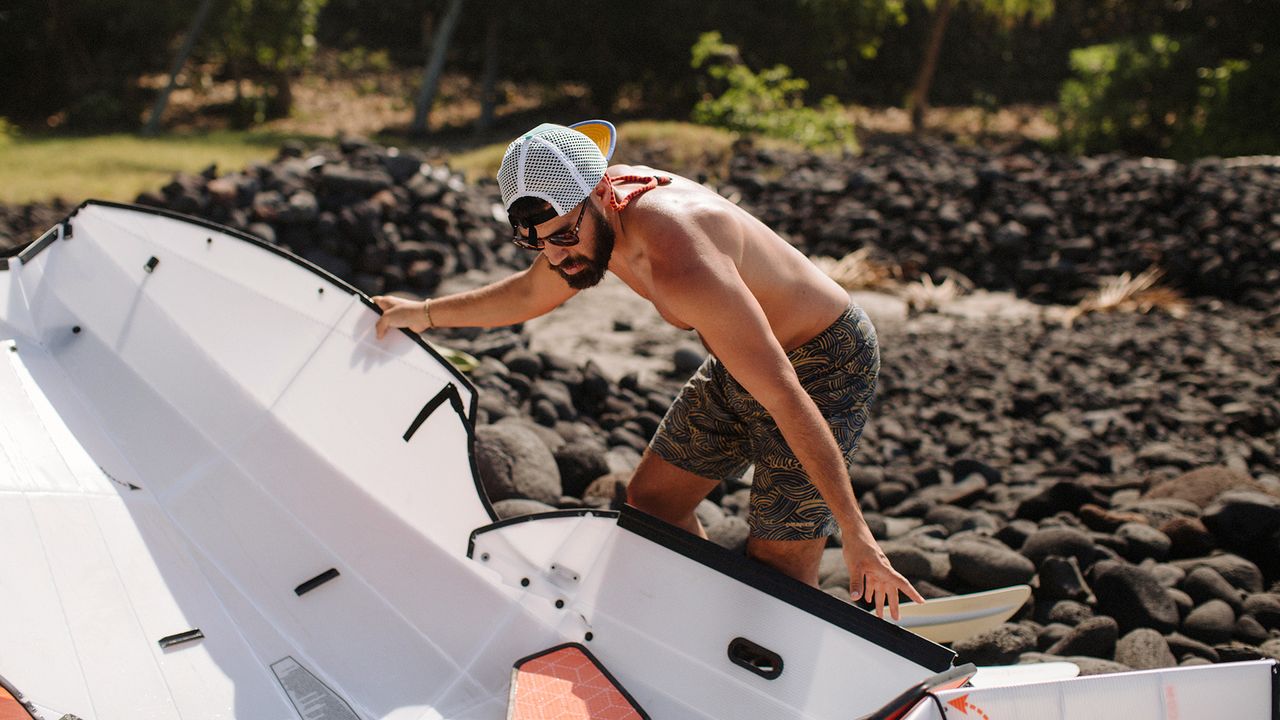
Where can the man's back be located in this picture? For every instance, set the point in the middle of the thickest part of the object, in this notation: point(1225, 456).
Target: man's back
point(796, 297)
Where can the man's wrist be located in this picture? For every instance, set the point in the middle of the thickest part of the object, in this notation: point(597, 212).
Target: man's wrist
point(426, 313)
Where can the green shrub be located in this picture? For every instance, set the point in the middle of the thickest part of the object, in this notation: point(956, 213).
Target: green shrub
point(8, 133)
point(1163, 96)
point(769, 102)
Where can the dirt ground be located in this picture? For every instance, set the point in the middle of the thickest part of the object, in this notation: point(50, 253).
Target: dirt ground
point(331, 100)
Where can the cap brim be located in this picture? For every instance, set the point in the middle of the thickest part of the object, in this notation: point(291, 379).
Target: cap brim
point(601, 132)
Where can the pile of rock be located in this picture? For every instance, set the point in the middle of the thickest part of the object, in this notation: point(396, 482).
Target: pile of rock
point(1049, 227)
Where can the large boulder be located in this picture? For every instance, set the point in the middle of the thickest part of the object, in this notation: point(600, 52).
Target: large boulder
point(1000, 646)
point(989, 565)
point(1133, 596)
point(1144, 649)
point(515, 463)
point(1203, 485)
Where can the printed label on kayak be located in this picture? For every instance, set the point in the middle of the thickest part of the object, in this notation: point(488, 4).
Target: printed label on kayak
point(311, 698)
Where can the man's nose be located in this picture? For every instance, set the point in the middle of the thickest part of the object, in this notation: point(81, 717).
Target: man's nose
point(554, 253)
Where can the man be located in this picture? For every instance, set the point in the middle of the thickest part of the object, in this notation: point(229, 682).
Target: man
point(793, 364)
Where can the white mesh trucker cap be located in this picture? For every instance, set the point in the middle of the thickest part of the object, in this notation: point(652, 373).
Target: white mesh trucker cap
point(559, 164)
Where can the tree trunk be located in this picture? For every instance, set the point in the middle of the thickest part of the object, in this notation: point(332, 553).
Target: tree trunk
point(283, 101)
point(489, 75)
point(153, 122)
point(929, 66)
point(431, 76)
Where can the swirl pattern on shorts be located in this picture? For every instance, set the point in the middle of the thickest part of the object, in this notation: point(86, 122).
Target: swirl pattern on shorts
point(716, 429)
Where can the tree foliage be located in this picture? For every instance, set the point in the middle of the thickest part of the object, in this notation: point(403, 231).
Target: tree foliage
point(269, 40)
point(1206, 87)
point(769, 102)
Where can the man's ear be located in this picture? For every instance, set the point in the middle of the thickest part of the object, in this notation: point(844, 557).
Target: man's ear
point(602, 188)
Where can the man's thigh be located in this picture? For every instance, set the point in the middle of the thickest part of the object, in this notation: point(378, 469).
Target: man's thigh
point(671, 493)
point(797, 558)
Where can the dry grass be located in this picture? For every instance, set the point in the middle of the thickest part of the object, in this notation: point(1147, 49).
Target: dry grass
point(927, 296)
point(857, 271)
point(1128, 293)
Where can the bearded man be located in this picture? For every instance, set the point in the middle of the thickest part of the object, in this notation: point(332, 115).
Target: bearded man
point(793, 364)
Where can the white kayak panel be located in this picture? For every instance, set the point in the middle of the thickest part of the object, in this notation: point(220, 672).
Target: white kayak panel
point(279, 354)
point(657, 618)
point(1207, 692)
point(92, 580)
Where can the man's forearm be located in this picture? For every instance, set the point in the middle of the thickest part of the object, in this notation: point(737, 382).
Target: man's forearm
point(512, 300)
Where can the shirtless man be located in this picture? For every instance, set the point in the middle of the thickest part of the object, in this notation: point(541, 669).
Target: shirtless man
point(793, 363)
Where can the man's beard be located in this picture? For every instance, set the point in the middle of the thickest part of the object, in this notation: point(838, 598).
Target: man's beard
point(592, 269)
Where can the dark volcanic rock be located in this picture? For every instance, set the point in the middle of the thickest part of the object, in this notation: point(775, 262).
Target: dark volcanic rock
point(1144, 649)
point(1236, 570)
point(580, 463)
point(1000, 646)
point(1204, 584)
point(1247, 522)
point(1143, 541)
point(1188, 537)
point(514, 463)
point(1063, 496)
point(1202, 485)
point(1133, 597)
point(1060, 579)
point(1060, 541)
point(515, 507)
point(1095, 637)
point(1266, 608)
point(1181, 646)
point(1212, 622)
point(987, 566)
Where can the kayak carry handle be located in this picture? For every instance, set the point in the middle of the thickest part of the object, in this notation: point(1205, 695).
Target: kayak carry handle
point(758, 659)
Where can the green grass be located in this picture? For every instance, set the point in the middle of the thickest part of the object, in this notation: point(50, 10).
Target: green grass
point(118, 167)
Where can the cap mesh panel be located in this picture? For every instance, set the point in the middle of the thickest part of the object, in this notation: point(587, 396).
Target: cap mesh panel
point(546, 173)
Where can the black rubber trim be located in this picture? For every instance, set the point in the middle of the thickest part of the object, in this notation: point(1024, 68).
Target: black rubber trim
point(909, 698)
point(571, 512)
point(756, 658)
point(450, 393)
point(603, 671)
point(317, 581)
point(468, 417)
point(4, 264)
point(180, 638)
point(40, 243)
point(895, 639)
point(1275, 690)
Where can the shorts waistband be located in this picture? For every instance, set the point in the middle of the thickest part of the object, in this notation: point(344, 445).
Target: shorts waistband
point(849, 316)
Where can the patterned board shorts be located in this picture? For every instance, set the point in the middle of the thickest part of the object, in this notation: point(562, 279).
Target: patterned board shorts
point(715, 429)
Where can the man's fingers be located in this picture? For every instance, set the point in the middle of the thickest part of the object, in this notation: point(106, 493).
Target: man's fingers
point(382, 326)
point(893, 604)
point(855, 586)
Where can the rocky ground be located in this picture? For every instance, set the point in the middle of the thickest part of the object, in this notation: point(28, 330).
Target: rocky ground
point(1124, 465)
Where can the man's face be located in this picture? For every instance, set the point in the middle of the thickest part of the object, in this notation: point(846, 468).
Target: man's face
point(582, 265)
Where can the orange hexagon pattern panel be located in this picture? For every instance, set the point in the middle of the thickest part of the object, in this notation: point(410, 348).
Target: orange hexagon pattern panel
point(567, 683)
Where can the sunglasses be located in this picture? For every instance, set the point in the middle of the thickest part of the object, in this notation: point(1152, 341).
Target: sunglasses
point(567, 238)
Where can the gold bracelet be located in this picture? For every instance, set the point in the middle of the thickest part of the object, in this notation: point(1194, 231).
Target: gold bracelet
point(426, 312)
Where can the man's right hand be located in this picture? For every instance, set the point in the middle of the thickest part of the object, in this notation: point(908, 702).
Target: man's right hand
point(399, 312)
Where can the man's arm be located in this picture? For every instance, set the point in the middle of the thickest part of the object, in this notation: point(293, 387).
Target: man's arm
point(525, 295)
point(701, 286)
